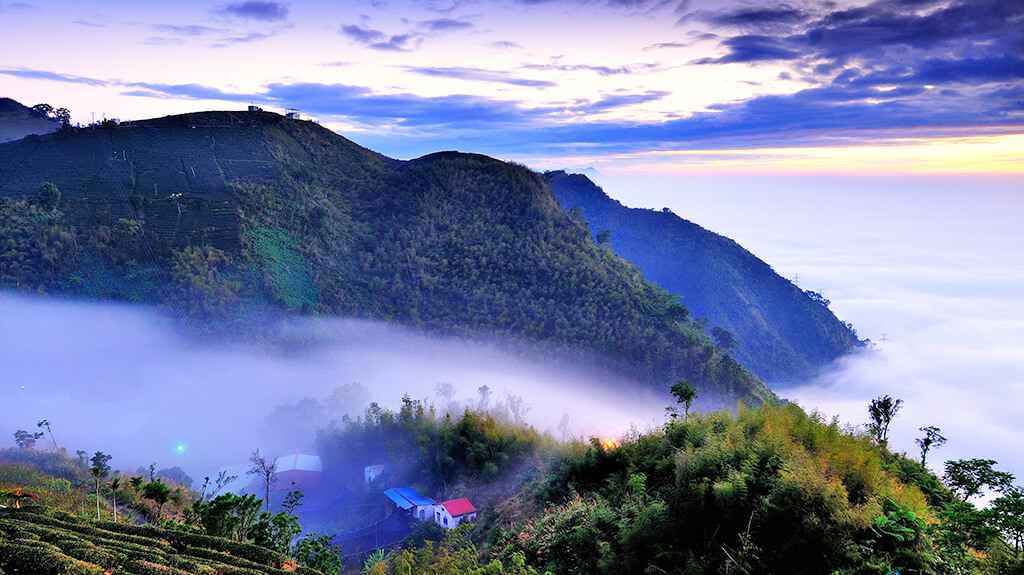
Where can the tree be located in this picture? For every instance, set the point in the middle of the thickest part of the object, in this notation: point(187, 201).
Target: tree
point(518, 407)
point(445, 391)
point(882, 411)
point(485, 397)
point(26, 440)
point(684, 394)
point(968, 477)
point(933, 439)
point(115, 483)
point(158, 492)
point(43, 111)
point(1008, 516)
point(265, 470)
point(229, 515)
point(604, 237)
point(318, 552)
point(723, 338)
point(100, 469)
point(63, 115)
point(45, 424)
point(48, 196)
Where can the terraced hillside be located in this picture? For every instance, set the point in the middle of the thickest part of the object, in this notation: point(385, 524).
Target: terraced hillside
point(36, 542)
point(783, 333)
point(217, 212)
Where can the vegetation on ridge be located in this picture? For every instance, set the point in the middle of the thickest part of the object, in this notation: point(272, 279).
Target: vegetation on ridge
point(269, 212)
point(774, 328)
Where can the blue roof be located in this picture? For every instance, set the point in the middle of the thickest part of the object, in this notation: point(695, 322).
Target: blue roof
point(397, 499)
point(414, 497)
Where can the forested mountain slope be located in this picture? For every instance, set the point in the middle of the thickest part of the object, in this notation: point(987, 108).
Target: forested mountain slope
point(782, 332)
point(219, 212)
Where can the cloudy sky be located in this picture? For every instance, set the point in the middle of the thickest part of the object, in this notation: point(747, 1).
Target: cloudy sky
point(645, 85)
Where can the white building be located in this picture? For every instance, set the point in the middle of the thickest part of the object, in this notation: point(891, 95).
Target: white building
point(297, 471)
point(450, 514)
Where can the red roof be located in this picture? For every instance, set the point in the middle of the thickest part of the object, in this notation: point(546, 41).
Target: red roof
point(457, 507)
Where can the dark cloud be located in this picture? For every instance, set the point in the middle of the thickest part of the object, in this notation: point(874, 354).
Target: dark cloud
point(761, 18)
point(246, 38)
point(506, 45)
point(595, 68)
point(445, 25)
point(638, 6)
point(667, 45)
point(162, 41)
point(31, 74)
point(190, 91)
point(479, 75)
point(377, 40)
point(187, 30)
point(753, 48)
point(619, 101)
point(361, 34)
point(257, 10)
point(871, 31)
point(89, 23)
point(15, 6)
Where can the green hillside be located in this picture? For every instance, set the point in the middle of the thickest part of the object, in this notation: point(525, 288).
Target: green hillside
point(219, 213)
point(782, 332)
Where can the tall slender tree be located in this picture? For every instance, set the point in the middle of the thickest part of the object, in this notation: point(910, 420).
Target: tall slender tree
point(115, 483)
point(45, 424)
point(100, 469)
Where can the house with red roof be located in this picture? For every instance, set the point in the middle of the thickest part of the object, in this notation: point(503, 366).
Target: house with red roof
point(450, 514)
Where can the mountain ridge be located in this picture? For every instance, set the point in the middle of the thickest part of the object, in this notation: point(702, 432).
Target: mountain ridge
point(783, 333)
point(210, 211)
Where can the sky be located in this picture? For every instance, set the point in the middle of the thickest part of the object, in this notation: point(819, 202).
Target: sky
point(933, 86)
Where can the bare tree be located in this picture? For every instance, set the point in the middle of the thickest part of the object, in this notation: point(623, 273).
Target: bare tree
point(265, 470)
point(445, 391)
point(517, 405)
point(564, 426)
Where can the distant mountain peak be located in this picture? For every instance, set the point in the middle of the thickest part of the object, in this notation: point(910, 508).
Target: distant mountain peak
point(18, 121)
point(782, 333)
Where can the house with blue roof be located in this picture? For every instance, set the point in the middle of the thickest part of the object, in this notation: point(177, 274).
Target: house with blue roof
point(408, 500)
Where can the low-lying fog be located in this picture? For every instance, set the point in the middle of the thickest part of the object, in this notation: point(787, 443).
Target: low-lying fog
point(130, 382)
point(933, 266)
